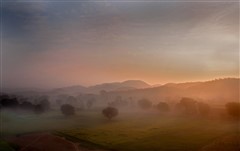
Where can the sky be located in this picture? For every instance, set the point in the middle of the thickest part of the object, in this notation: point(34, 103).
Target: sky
point(62, 43)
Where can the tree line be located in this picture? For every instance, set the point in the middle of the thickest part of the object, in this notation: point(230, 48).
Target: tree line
point(186, 106)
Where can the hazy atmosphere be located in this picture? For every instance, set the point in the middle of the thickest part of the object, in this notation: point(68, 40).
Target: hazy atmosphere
point(119, 75)
point(54, 44)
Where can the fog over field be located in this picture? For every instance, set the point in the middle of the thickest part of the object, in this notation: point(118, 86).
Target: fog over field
point(119, 75)
point(128, 116)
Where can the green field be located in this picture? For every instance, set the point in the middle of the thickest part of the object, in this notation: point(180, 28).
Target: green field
point(136, 131)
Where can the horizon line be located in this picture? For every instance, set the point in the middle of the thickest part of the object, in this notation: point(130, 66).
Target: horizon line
point(87, 86)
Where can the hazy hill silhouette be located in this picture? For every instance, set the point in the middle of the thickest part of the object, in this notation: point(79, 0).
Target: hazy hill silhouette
point(215, 91)
point(114, 86)
point(126, 85)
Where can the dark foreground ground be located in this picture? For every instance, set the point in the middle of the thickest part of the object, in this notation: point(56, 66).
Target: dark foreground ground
point(89, 131)
point(42, 142)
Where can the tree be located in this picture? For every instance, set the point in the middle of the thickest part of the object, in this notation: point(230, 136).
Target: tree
point(22, 99)
point(26, 105)
point(187, 105)
point(90, 102)
point(104, 95)
point(38, 109)
point(145, 103)
point(163, 107)
point(9, 102)
point(44, 103)
point(110, 112)
point(67, 109)
point(119, 102)
point(233, 109)
point(203, 108)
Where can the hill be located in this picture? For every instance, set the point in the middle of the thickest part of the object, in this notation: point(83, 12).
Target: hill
point(125, 85)
point(218, 91)
point(215, 91)
point(114, 86)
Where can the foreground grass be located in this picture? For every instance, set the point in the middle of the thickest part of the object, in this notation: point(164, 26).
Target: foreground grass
point(153, 132)
point(4, 146)
point(128, 132)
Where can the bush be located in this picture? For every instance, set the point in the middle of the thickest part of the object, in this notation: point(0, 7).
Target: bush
point(38, 109)
point(110, 112)
point(45, 103)
point(145, 104)
point(9, 102)
point(233, 109)
point(26, 105)
point(67, 109)
point(187, 106)
point(90, 102)
point(203, 108)
point(163, 107)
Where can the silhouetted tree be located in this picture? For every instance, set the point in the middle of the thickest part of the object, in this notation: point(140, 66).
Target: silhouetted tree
point(233, 109)
point(9, 102)
point(22, 99)
point(38, 109)
point(145, 103)
point(119, 102)
point(110, 112)
point(103, 92)
point(163, 107)
point(104, 95)
point(203, 108)
point(80, 101)
point(44, 103)
point(187, 105)
point(67, 109)
point(90, 102)
point(26, 105)
point(131, 102)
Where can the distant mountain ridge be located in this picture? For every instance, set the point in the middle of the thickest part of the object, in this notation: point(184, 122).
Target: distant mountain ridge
point(216, 91)
point(125, 85)
point(114, 86)
point(219, 90)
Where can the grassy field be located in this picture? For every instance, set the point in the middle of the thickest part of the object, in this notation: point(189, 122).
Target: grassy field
point(128, 132)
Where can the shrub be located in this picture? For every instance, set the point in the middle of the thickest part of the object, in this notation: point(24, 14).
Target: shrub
point(233, 109)
point(45, 104)
point(163, 107)
point(38, 109)
point(67, 109)
point(9, 102)
point(187, 106)
point(203, 108)
point(26, 106)
point(110, 112)
point(145, 103)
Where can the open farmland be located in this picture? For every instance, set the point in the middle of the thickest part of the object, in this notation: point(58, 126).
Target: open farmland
point(135, 131)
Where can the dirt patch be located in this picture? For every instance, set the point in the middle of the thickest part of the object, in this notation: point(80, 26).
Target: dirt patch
point(45, 142)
